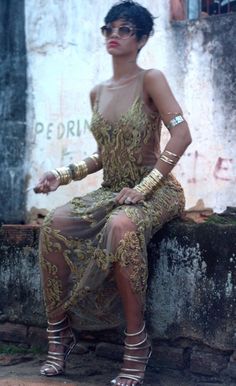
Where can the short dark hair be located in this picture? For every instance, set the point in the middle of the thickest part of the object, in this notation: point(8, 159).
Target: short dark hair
point(135, 13)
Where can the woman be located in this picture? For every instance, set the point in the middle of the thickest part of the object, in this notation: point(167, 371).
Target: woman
point(93, 249)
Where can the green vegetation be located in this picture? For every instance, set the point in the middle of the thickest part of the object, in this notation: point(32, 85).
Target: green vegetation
point(219, 219)
point(11, 349)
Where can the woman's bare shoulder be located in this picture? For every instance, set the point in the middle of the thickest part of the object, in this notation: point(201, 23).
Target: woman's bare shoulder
point(93, 93)
point(154, 75)
point(95, 90)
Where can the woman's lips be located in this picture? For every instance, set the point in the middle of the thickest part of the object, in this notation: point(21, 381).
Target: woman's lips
point(113, 43)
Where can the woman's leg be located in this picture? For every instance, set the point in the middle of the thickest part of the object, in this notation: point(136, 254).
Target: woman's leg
point(131, 278)
point(55, 274)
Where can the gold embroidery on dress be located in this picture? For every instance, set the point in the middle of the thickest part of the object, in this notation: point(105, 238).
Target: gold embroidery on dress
point(85, 252)
point(125, 137)
point(128, 254)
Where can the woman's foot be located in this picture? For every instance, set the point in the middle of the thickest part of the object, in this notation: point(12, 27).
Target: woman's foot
point(137, 353)
point(61, 340)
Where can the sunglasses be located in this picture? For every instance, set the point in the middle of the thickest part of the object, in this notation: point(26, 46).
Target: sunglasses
point(124, 31)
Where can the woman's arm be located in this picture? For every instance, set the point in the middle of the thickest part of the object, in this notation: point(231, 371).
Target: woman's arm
point(159, 95)
point(158, 90)
point(51, 180)
point(92, 168)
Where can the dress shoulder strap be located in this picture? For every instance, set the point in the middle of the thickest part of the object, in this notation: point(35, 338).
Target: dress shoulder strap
point(97, 96)
point(140, 83)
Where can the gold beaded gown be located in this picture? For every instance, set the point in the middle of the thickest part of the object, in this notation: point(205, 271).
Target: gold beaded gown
point(80, 241)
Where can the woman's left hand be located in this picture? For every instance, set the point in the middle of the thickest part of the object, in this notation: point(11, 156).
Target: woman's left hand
point(129, 196)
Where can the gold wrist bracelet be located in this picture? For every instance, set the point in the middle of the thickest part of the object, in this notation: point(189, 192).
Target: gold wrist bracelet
point(78, 171)
point(149, 183)
point(63, 175)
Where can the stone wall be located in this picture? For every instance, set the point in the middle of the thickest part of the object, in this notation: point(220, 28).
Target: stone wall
point(12, 111)
point(191, 308)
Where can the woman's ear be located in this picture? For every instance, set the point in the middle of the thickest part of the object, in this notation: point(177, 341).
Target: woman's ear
point(142, 42)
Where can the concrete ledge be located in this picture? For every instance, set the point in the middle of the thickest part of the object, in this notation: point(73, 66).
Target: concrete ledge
point(192, 287)
point(191, 306)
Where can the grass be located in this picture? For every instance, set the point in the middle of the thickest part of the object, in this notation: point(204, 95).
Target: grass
point(11, 349)
point(216, 219)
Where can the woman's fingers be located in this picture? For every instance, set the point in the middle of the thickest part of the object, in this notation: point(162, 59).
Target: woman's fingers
point(41, 188)
point(121, 196)
point(128, 196)
point(47, 183)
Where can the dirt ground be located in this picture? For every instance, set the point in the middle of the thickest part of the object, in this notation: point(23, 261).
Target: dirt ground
point(87, 370)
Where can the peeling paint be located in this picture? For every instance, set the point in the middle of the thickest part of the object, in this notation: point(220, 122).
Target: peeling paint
point(229, 285)
point(65, 61)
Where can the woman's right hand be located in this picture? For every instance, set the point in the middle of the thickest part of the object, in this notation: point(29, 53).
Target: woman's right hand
point(47, 183)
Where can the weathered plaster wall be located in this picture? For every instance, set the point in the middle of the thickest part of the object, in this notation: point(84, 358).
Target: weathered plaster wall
point(66, 57)
point(205, 55)
point(191, 289)
point(191, 300)
point(12, 110)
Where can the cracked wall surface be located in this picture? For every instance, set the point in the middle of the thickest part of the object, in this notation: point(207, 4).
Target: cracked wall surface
point(12, 111)
point(45, 116)
point(66, 57)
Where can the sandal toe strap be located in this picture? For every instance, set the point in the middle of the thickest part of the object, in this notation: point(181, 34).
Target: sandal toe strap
point(56, 366)
point(136, 378)
point(131, 358)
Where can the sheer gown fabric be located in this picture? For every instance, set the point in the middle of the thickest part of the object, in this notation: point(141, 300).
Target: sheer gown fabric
point(81, 241)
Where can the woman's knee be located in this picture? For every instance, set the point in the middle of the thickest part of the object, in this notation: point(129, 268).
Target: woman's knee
point(121, 223)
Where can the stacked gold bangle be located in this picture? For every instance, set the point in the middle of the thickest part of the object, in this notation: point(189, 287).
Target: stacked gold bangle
point(72, 172)
point(165, 157)
point(63, 175)
point(78, 171)
point(149, 183)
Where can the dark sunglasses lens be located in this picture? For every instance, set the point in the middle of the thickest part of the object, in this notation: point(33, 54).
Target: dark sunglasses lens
point(124, 31)
point(106, 31)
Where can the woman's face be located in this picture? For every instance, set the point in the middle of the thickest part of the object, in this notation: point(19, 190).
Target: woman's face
point(120, 38)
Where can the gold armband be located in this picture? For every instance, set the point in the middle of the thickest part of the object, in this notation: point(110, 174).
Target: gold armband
point(175, 121)
point(78, 171)
point(149, 183)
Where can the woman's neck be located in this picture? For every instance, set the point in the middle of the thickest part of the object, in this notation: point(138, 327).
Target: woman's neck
point(124, 68)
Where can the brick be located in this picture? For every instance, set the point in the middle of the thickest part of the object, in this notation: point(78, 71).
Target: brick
point(10, 332)
point(110, 351)
point(14, 359)
point(207, 363)
point(80, 349)
point(168, 357)
point(209, 384)
point(231, 370)
point(37, 337)
point(233, 357)
point(19, 235)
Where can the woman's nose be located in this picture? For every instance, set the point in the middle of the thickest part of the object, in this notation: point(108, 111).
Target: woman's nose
point(115, 32)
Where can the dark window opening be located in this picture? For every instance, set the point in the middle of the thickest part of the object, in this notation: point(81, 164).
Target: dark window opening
point(194, 9)
point(217, 7)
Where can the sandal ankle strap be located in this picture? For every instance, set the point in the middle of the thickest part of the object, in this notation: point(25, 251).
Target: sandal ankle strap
point(135, 345)
point(135, 333)
point(58, 329)
point(59, 322)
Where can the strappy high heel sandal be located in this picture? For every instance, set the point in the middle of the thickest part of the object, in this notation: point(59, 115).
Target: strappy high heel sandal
point(134, 374)
point(55, 363)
